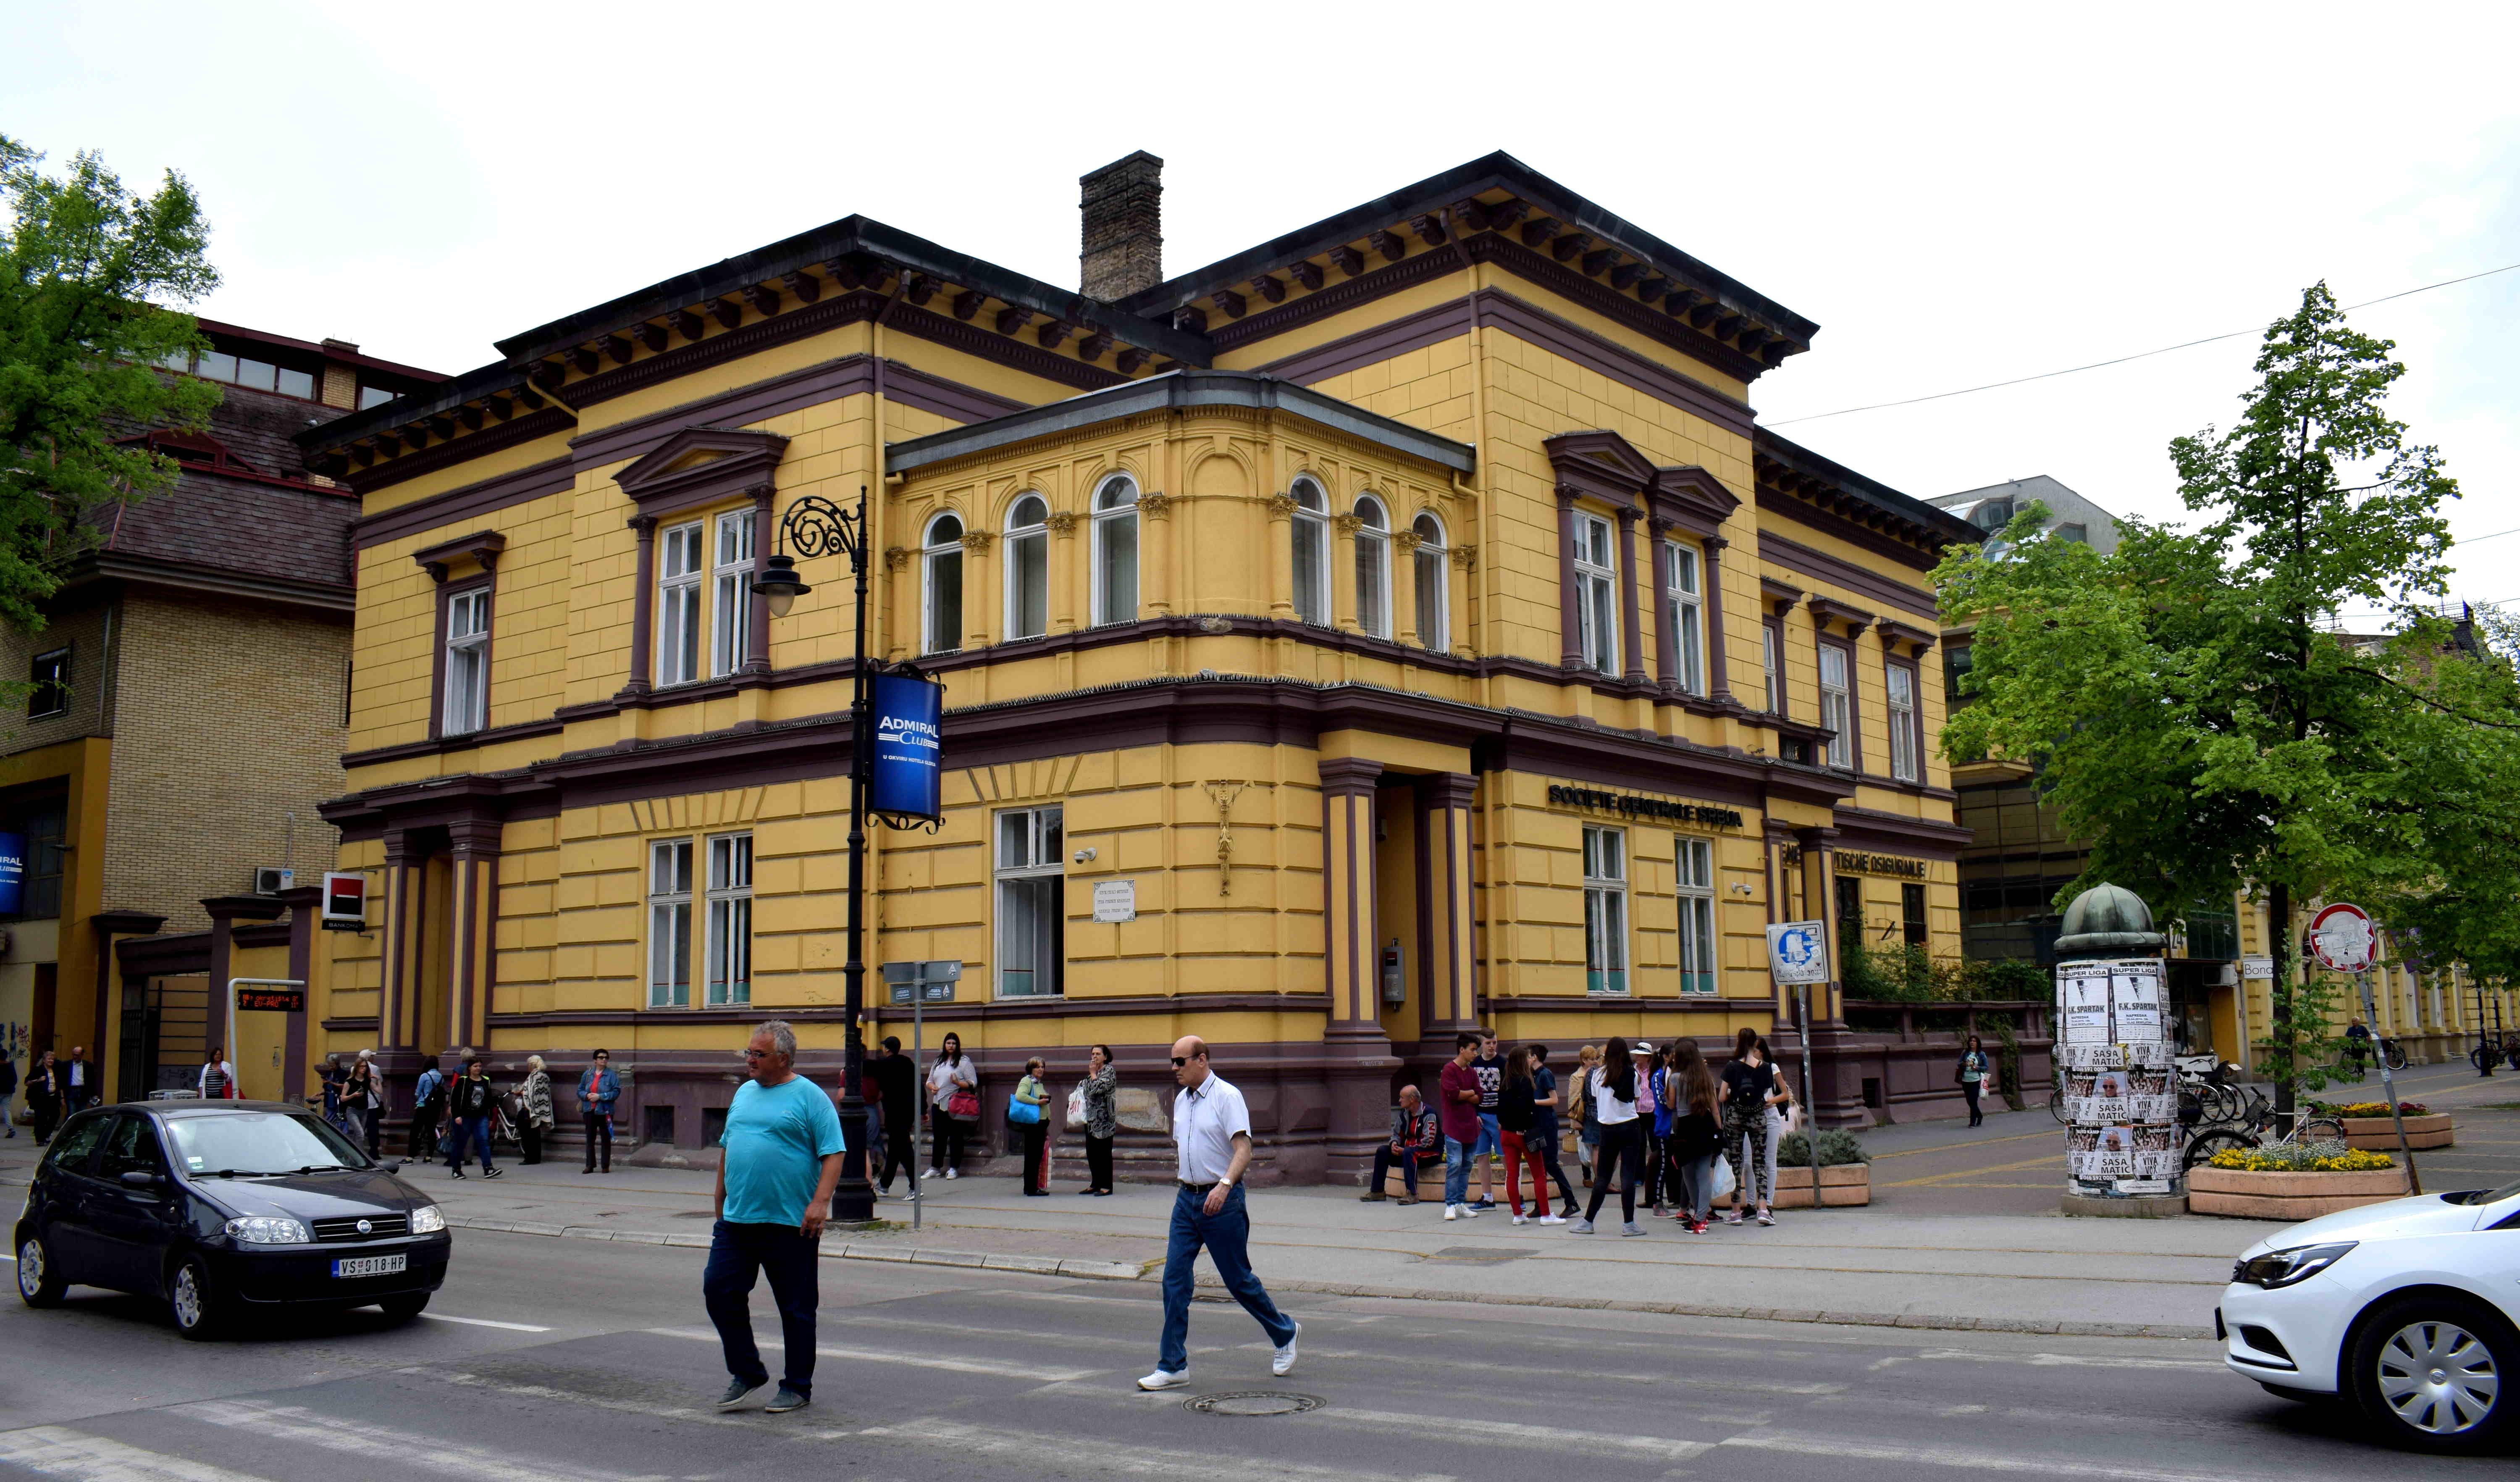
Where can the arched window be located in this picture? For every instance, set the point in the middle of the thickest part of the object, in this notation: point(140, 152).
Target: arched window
point(1373, 567)
point(940, 617)
point(1115, 551)
point(1434, 604)
point(1028, 568)
point(1312, 540)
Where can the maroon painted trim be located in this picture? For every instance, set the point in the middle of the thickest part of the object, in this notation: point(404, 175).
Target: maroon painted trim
point(1920, 838)
point(437, 745)
point(832, 380)
point(1570, 640)
point(1718, 675)
point(469, 502)
point(1795, 556)
point(643, 607)
point(302, 959)
point(1804, 511)
point(1631, 636)
point(483, 546)
point(428, 460)
point(756, 628)
point(996, 1009)
point(1397, 337)
point(1422, 868)
point(177, 955)
point(744, 457)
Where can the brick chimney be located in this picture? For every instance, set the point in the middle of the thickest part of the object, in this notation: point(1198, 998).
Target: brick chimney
point(1123, 208)
point(340, 386)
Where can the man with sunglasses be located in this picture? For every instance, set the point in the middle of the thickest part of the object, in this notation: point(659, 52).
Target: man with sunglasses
point(778, 1164)
point(1212, 1141)
point(597, 1089)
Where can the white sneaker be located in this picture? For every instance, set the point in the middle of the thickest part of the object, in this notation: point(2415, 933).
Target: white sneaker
point(1517, 1219)
point(1452, 1211)
point(1165, 1378)
point(1632, 1228)
point(1553, 1219)
point(1580, 1227)
point(1286, 1359)
point(1470, 1212)
point(953, 1173)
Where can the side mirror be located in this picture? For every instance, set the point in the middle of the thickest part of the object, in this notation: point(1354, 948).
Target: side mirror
point(390, 1165)
point(137, 1179)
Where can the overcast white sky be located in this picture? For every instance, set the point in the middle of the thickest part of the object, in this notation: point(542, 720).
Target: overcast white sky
point(1957, 195)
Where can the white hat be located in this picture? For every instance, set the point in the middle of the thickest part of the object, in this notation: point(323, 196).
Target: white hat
point(1640, 1047)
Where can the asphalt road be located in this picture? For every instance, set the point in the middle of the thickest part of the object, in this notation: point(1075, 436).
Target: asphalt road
point(569, 1361)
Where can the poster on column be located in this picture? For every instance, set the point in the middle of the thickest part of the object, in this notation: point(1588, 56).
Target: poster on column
point(2121, 1103)
point(2084, 995)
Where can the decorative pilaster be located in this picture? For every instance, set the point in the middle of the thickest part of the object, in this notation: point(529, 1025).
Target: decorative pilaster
point(405, 872)
point(1343, 613)
point(473, 848)
point(1358, 1053)
point(643, 605)
point(1719, 688)
point(1570, 626)
point(1403, 544)
point(1282, 556)
point(1449, 940)
point(757, 637)
point(1633, 656)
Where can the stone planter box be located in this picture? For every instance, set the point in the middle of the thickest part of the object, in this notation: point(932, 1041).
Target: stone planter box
point(2380, 1134)
point(2292, 1196)
point(1843, 1184)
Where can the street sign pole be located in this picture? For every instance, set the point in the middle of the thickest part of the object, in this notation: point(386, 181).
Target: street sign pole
point(1811, 1113)
point(914, 983)
point(2389, 1085)
point(1798, 955)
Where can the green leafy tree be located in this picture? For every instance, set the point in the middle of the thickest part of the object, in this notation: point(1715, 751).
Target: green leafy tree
point(89, 272)
point(2194, 720)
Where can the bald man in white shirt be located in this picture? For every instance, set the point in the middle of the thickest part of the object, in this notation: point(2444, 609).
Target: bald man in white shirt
point(1212, 1141)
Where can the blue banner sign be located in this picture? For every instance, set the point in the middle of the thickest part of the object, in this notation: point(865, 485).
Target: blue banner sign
point(12, 872)
point(907, 745)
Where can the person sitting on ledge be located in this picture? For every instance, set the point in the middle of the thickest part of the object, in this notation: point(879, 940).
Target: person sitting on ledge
point(1416, 1137)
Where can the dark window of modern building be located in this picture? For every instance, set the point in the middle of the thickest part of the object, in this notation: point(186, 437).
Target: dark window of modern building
point(1993, 515)
point(1912, 913)
point(50, 674)
point(39, 820)
point(1956, 662)
point(2213, 935)
point(374, 396)
point(260, 375)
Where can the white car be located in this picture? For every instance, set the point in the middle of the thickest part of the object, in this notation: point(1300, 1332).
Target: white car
point(2409, 1309)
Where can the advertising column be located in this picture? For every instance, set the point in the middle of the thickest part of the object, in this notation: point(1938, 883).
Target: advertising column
point(2121, 1109)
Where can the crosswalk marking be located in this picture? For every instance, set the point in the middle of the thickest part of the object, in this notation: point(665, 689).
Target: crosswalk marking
point(439, 1317)
point(1096, 1456)
point(1039, 1373)
point(1952, 1456)
point(747, 1422)
point(361, 1438)
point(56, 1452)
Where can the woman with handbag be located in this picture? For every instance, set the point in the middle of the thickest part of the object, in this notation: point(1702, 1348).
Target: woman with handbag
point(954, 1107)
point(1971, 1075)
point(1749, 1081)
point(1097, 1099)
point(1615, 1089)
point(1024, 1113)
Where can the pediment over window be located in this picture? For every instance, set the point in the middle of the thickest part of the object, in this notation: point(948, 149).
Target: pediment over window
point(702, 465)
point(1603, 465)
point(1690, 497)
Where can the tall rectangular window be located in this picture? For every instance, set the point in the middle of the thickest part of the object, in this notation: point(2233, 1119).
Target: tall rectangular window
point(1693, 872)
point(1597, 586)
point(669, 923)
point(1032, 920)
point(1850, 909)
point(1912, 913)
point(1606, 911)
point(680, 561)
point(732, 574)
point(50, 674)
point(1836, 704)
point(1900, 682)
point(1772, 663)
point(1684, 608)
point(729, 919)
point(465, 704)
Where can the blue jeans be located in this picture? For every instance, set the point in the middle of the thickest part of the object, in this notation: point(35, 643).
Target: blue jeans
point(475, 1127)
point(1225, 1234)
point(738, 1254)
point(1491, 1141)
point(1456, 1168)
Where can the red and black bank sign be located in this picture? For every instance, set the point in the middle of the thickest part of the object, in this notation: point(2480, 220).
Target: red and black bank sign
point(345, 902)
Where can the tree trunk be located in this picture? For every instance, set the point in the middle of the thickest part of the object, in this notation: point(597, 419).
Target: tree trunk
point(2279, 943)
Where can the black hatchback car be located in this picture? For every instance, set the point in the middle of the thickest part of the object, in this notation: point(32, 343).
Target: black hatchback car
point(225, 1209)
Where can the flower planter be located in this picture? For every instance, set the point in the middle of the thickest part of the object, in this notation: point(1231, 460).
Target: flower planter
point(2291, 1196)
point(2380, 1134)
point(1841, 1185)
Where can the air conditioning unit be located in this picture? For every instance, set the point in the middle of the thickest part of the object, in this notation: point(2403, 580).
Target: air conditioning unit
point(271, 880)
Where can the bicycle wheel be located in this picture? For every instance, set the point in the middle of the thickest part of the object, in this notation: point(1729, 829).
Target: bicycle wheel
point(2482, 1057)
point(2056, 1104)
point(2202, 1147)
point(2318, 1130)
point(2396, 1055)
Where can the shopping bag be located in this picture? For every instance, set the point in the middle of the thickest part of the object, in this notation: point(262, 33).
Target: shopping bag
point(1075, 1108)
point(1723, 1179)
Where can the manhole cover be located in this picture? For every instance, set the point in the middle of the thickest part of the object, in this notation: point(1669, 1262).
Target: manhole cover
point(1483, 1252)
point(1253, 1401)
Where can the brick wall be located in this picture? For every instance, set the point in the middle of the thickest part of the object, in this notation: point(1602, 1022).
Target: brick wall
point(229, 717)
point(90, 713)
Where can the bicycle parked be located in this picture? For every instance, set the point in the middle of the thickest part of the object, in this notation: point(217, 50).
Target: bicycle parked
point(2255, 1127)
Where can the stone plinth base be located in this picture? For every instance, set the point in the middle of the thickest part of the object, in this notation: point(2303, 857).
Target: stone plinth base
point(2136, 1206)
point(1841, 1186)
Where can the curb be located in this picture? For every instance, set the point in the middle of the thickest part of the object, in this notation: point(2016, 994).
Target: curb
point(1138, 1270)
point(1046, 1266)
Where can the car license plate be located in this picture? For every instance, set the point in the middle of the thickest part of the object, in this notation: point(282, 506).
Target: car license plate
point(370, 1266)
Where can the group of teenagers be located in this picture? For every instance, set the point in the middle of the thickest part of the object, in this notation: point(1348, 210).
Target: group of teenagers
point(1653, 1121)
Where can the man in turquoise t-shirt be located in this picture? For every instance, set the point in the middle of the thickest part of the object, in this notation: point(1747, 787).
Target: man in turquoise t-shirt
point(780, 1161)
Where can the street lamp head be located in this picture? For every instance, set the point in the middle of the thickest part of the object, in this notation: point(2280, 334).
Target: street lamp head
point(778, 585)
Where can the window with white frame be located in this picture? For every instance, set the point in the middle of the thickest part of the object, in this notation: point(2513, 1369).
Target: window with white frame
point(1434, 601)
point(1028, 568)
point(1031, 919)
point(1683, 607)
point(1836, 705)
point(1310, 534)
point(1373, 567)
point(680, 558)
point(1115, 551)
point(940, 602)
point(1693, 874)
point(1772, 659)
point(669, 923)
point(1605, 910)
point(729, 919)
point(731, 576)
point(465, 705)
point(1597, 586)
point(1900, 683)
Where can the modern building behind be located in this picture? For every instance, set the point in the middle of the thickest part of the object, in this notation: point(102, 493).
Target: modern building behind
point(1397, 626)
point(188, 713)
point(2070, 516)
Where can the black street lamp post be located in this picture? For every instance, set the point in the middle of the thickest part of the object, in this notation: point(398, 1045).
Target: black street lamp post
point(815, 526)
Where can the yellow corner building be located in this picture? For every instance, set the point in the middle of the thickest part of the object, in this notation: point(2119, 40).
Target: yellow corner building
point(1405, 624)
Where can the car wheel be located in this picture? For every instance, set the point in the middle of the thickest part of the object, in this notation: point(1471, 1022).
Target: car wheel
point(39, 1281)
point(195, 1300)
point(2430, 1369)
point(404, 1308)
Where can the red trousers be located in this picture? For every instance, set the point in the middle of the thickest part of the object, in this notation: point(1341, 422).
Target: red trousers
point(1516, 1153)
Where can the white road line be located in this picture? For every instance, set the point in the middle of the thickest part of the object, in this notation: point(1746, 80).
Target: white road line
point(56, 1452)
point(2069, 1360)
point(1035, 1372)
point(1969, 1460)
point(439, 1317)
point(1733, 1386)
point(378, 1443)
